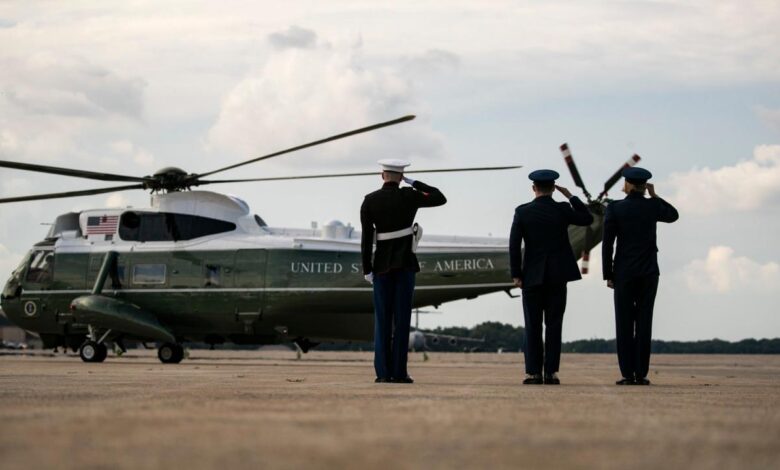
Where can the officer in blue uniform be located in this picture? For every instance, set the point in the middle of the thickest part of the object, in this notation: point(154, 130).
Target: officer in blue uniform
point(633, 273)
point(542, 262)
point(387, 215)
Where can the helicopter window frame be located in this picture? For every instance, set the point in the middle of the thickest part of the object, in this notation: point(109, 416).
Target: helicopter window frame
point(140, 226)
point(157, 274)
point(40, 267)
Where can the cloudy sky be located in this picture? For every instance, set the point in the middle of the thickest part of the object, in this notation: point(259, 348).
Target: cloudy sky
point(692, 86)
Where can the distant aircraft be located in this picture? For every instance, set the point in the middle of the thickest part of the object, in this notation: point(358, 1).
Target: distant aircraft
point(421, 340)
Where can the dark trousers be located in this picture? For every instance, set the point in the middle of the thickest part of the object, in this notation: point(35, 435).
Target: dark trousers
point(634, 301)
point(545, 303)
point(393, 293)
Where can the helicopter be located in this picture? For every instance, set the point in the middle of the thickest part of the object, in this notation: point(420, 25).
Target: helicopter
point(199, 266)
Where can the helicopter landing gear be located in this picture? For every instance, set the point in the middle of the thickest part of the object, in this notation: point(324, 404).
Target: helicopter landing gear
point(305, 344)
point(170, 353)
point(92, 351)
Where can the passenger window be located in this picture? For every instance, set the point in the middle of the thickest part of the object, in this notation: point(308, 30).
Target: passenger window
point(41, 267)
point(162, 226)
point(213, 275)
point(149, 274)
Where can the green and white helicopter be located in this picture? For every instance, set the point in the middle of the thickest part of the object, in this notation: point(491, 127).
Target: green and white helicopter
point(198, 266)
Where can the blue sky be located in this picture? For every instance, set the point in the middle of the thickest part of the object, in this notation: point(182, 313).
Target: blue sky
point(693, 87)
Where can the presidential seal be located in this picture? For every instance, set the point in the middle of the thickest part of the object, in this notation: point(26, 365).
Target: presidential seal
point(30, 308)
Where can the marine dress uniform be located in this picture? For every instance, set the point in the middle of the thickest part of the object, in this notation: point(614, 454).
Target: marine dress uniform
point(634, 271)
point(387, 215)
point(544, 266)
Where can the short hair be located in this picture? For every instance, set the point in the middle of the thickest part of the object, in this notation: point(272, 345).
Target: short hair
point(638, 188)
point(393, 175)
point(544, 185)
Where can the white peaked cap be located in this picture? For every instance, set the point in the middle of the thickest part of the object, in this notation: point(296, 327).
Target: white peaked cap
point(393, 164)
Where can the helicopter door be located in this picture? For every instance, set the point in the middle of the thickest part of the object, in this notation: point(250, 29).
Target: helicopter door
point(116, 275)
point(250, 284)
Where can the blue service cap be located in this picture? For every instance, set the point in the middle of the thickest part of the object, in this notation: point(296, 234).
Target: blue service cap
point(543, 176)
point(636, 175)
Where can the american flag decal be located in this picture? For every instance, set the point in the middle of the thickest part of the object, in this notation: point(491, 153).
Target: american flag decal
point(102, 225)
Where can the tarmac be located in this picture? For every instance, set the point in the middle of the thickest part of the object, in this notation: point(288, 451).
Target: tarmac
point(269, 409)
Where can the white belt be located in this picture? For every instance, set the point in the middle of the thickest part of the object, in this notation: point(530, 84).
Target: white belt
point(414, 230)
point(397, 234)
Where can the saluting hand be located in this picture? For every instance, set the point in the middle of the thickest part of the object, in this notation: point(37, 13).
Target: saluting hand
point(408, 180)
point(650, 189)
point(563, 191)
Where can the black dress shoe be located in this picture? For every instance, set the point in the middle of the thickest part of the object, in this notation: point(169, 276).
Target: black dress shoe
point(533, 379)
point(403, 380)
point(625, 381)
point(381, 380)
point(642, 381)
point(552, 379)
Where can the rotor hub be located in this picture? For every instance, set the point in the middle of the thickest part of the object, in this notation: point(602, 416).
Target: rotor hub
point(170, 178)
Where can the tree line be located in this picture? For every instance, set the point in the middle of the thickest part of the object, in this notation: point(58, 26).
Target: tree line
point(508, 338)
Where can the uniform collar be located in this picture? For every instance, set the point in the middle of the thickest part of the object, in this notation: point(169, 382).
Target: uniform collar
point(635, 195)
point(547, 197)
point(390, 185)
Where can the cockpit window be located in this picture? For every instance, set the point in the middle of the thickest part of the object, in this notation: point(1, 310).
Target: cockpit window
point(41, 268)
point(163, 226)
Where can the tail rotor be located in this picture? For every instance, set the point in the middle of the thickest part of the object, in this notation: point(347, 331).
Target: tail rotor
point(618, 174)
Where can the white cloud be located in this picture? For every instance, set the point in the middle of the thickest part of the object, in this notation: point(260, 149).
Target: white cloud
point(65, 85)
point(125, 148)
point(721, 271)
point(432, 61)
point(301, 95)
point(117, 200)
point(8, 141)
point(295, 37)
point(745, 186)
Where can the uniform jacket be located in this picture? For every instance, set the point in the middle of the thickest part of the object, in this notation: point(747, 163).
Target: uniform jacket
point(632, 221)
point(387, 210)
point(542, 225)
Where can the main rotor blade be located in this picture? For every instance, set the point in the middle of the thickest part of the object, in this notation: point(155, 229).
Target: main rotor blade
point(86, 192)
point(344, 175)
point(54, 170)
point(575, 174)
point(311, 144)
point(618, 174)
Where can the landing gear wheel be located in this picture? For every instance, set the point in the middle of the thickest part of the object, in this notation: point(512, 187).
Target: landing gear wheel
point(91, 351)
point(170, 353)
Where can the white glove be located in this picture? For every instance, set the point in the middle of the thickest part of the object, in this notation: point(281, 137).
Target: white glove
point(408, 181)
point(369, 278)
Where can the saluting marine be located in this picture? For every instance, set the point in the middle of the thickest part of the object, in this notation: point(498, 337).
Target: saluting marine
point(543, 270)
point(634, 271)
point(387, 216)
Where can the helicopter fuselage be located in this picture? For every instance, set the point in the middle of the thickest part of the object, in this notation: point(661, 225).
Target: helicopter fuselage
point(210, 272)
